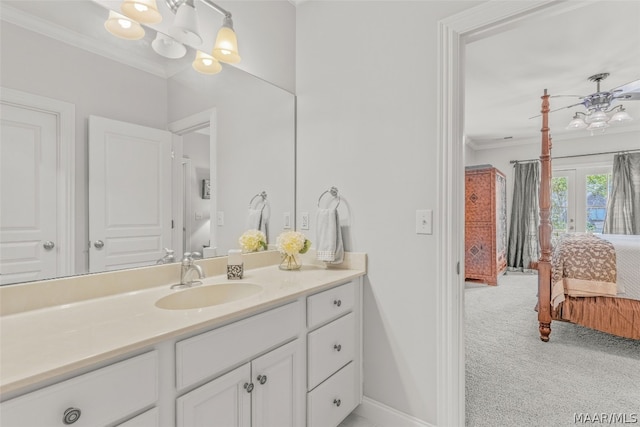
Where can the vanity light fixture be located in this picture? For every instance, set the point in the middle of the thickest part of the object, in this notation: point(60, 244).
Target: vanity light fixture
point(142, 11)
point(166, 46)
point(123, 27)
point(182, 34)
point(206, 64)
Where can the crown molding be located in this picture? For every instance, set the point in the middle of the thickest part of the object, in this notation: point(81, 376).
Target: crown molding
point(32, 23)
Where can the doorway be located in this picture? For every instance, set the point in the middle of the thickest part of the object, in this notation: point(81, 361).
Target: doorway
point(454, 32)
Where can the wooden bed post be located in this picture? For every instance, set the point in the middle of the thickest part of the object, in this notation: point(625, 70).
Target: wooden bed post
point(544, 230)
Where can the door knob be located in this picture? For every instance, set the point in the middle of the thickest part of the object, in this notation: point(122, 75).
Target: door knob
point(99, 244)
point(48, 245)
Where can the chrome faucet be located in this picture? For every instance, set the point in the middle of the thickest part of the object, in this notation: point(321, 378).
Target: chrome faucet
point(187, 267)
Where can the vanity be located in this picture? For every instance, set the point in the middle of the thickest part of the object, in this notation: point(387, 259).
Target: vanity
point(284, 350)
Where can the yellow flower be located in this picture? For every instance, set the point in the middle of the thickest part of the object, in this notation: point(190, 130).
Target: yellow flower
point(292, 242)
point(253, 241)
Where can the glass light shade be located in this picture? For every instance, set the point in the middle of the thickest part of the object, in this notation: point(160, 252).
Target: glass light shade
point(226, 46)
point(143, 11)
point(598, 126)
point(576, 123)
point(165, 46)
point(620, 117)
point(185, 26)
point(598, 116)
point(206, 64)
point(123, 27)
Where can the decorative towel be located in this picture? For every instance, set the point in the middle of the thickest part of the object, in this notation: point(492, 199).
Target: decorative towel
point(329, 245)
point(257, 221)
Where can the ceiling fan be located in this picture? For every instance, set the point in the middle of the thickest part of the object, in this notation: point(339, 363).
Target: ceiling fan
point(603, 107)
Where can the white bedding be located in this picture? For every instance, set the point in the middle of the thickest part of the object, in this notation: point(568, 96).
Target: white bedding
point(627, 263)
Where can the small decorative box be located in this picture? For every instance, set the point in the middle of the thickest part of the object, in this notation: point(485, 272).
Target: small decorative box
point(235, 271)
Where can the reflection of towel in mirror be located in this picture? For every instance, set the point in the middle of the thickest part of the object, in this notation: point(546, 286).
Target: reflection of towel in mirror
point(329, 245)
point(257, 221)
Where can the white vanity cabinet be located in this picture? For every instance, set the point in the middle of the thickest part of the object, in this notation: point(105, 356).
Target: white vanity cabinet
point(266, 391)
point(98, 398)
point(333, 355)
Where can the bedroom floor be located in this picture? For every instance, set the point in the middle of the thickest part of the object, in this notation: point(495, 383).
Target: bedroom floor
point(513, 378)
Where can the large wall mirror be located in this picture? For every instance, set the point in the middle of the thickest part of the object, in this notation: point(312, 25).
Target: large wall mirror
point(231, 137)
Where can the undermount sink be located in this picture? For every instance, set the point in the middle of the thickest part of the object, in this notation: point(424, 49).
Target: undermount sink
point(208, 295)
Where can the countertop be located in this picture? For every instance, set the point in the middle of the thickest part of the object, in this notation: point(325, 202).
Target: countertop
point(47, 343)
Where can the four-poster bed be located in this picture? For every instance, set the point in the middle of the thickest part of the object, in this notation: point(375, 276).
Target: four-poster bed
point(580, 265)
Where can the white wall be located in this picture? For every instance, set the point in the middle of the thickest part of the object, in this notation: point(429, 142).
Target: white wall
point(98, 86)
point(367, 119)
point(500, 156)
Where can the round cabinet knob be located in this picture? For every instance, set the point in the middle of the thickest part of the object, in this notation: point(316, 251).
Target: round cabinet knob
point(99, 244)
point(262, 379)
point(337, 347)
point(48, 245)
point(337, 402)
point(337, 302)
point(71, 415)
point(248, 387)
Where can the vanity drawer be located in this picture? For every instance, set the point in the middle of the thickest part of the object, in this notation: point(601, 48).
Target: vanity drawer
point(330, 304)
point(99, 397)
point(210, 353)
point(333, 400)
point(330, 348)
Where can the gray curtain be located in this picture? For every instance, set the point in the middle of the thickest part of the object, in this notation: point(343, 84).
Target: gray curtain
point(623, 206)
point(523, 247)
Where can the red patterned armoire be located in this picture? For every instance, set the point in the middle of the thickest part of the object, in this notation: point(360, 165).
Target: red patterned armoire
point(485, 228)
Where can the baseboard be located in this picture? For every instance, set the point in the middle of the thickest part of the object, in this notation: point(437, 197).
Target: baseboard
point(384, 416)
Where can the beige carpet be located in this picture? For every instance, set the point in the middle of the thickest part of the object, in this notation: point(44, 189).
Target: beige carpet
point(514, 379)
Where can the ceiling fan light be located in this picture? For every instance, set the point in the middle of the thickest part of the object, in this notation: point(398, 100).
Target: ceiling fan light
point(123, 27)
point(185, 25)
point(165, 46)
point(226, 46)
point(598, 126)
point(143, 11)
point(206, 64)
point(576, 123)
point(598, 116)
point(620, 117)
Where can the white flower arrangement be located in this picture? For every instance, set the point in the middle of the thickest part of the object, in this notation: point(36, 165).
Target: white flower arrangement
point(253, 241)
point(292, 242)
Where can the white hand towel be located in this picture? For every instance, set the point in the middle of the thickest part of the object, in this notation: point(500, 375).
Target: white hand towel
point(329, 245)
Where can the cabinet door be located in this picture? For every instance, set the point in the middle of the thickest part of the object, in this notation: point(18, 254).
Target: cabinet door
point(479, 251)
point(277, 398)
point(221, 402)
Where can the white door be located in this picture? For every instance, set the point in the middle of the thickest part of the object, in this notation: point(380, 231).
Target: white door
point(222, 402)
point(28, 212)
point(276, 393)
point(129, 194)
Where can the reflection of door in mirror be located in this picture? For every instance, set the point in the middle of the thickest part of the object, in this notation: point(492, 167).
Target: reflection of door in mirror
point(33, 136)
point(129, 194)
point(195, 152)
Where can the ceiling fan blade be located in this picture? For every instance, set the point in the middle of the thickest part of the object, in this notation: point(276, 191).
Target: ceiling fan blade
point(628, 96)
point(631, 87)
point(558, 109)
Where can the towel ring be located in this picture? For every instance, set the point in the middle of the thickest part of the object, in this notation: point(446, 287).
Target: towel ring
point(334, 192)
point(262, 194)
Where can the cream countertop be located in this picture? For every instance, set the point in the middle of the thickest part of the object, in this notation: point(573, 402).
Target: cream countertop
point(46, 343)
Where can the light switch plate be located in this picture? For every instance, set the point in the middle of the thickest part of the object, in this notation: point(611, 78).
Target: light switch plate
point(304, 220)
point(424, 221)
point(286, 223)
point(220, 218)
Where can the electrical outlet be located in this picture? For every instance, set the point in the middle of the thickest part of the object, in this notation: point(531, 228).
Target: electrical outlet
point(220, 218)
point(304, 220)
point(424, 221)
point(287, 220)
